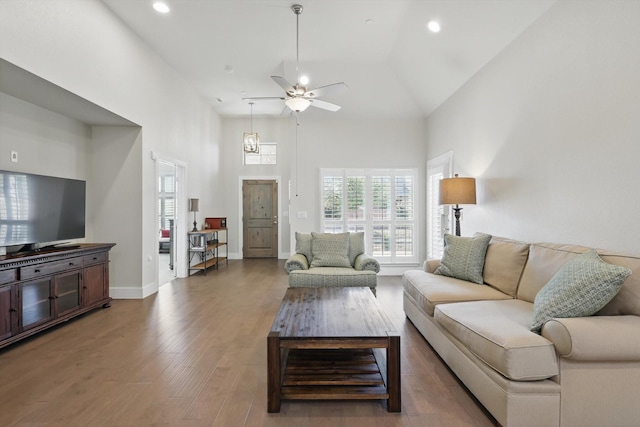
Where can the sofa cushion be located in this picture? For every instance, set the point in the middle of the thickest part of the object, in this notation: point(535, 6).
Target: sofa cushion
point(627, 300)
point(580, 288)
point(504, 263)
point(464, 257)
point(330, 250)
point(303, 245)
point(429, 290)
point(498, 333)
point(356, 245)
point(545, 259)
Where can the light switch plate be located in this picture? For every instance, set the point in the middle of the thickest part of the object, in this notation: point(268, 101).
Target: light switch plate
point(14, 157)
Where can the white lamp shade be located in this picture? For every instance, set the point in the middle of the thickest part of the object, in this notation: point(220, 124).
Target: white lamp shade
point(297, 104)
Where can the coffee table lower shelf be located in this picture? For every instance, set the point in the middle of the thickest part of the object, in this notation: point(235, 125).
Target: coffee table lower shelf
point(333, 373)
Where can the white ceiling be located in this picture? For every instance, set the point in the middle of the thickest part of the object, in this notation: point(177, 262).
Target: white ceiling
point(393, 66)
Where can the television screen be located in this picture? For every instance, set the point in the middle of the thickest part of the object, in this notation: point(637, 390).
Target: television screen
point(40, 209)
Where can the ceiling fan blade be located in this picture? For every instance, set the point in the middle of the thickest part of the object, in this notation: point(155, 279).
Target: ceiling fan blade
point(264, 97)
point(326, 90)
point(324, 105)
point(284, 84)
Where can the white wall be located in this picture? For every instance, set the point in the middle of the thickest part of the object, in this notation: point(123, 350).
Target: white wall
point(47, 143)
point(322, 143)
point(551, 130)
point(82, 47)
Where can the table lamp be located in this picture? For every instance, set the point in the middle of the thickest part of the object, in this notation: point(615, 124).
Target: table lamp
point(193, 207)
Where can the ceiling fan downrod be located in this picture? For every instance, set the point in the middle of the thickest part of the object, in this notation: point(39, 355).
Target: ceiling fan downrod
point(297, 9)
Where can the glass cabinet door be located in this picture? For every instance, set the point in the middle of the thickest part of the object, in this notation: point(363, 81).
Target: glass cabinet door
point(35, 302)
point(67, 292)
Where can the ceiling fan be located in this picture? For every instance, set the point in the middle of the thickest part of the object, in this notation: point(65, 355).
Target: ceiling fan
point(297, 98)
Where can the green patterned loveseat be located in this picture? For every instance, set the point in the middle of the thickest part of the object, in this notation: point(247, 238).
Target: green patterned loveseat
point(325, 259)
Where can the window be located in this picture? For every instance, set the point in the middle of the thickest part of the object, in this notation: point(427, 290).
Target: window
point(268, 155)
point(166, 207)
point(379, 202)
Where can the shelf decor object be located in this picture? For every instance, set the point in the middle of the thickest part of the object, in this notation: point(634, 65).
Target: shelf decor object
point(193, 207)
point(458, 191)
point(251, 140)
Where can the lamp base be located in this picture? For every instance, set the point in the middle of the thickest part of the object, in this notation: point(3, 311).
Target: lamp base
point(195, 228)
point(456, 211)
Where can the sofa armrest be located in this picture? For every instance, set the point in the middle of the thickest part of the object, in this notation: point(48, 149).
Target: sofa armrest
point(595, 338)
point(296, 262)
point(431, 265)
point(365, 262)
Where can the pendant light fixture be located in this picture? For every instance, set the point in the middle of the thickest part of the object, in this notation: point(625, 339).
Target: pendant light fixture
point(251, 140)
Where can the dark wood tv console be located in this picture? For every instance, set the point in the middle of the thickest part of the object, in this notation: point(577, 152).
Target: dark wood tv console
point(40, 289)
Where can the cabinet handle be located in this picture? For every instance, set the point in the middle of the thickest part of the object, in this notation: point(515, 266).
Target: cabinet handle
point(37, 270)
point(13, 310)
point(52, 297)
point(95, 258)
point(71, 263)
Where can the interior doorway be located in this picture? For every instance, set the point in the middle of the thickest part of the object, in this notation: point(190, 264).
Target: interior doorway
point(260, 218)
point(167, 197)
point(170, 216)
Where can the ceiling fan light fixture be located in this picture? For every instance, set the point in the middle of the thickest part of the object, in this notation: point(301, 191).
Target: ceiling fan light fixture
point(297, 104)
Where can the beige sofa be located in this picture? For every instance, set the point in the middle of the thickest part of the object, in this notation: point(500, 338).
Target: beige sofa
point(581, 371)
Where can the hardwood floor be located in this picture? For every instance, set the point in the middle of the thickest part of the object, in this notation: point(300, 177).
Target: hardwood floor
point(195, 355)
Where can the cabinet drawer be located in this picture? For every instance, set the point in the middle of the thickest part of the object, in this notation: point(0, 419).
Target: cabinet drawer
point(49, 268)
point(8, 276)
point(94, 258)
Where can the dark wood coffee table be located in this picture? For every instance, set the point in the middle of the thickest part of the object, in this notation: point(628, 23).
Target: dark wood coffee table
point(332, 343)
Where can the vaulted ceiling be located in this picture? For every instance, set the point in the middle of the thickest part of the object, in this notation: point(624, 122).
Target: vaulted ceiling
point(394, 66)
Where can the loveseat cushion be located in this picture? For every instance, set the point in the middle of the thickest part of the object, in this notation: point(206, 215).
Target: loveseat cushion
point(332, 276)
point(303, 245)
point(580, 288)
point(429, 290)
point(330, 250)
point(498, 333)
point(504, 263)
point(464, 257)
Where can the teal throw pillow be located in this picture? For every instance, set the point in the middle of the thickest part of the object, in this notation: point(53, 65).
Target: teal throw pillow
point(303, 245)
point(464, 257)
point(330, 250)
point(580, 288)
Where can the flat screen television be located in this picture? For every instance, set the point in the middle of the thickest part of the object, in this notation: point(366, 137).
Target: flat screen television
point(37, 209)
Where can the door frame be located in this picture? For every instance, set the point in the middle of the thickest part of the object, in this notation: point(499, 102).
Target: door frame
point(181, 211)
point(278, 181)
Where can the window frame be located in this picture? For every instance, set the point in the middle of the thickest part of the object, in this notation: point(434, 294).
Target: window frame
point(369, 222)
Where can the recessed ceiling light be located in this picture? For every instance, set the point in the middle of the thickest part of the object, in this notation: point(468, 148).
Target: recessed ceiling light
point(433, 26)
point(228, 69)
point(369, 21)
point(161, 7)
point(304, 80)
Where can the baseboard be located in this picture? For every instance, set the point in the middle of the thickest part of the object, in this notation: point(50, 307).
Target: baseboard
point(397, 270)
point(122, 292)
